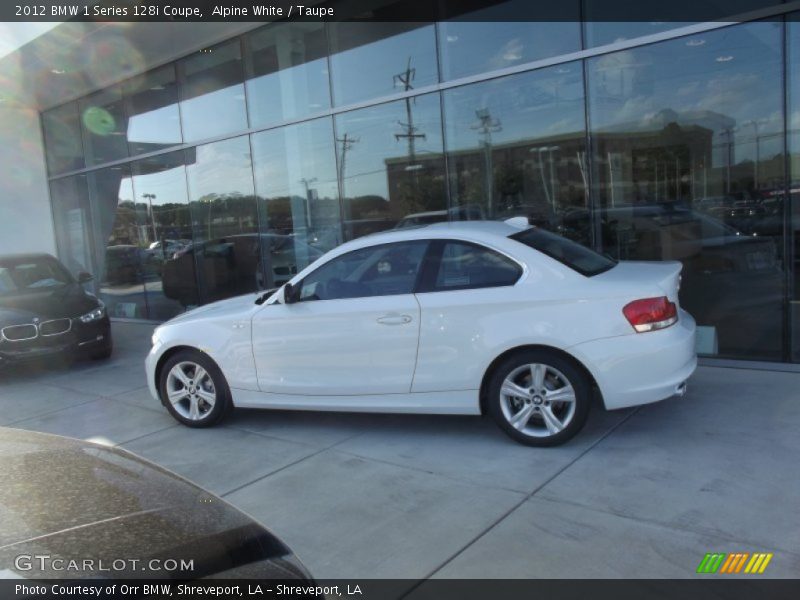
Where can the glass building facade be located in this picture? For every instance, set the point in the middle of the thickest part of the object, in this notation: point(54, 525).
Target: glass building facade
point(229, 170)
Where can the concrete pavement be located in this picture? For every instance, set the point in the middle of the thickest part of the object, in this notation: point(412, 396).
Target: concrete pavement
point(639, 493)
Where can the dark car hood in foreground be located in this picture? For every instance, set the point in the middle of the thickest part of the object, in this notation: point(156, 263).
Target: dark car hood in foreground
point(80, 501)
point(69, 301)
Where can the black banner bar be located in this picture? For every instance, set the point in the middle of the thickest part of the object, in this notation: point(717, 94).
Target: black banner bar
point(712, 587)
point(682, 11)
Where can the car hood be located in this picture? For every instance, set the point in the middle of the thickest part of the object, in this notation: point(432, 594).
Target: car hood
point(76, 500)
point(222, 308)
point(69, 301)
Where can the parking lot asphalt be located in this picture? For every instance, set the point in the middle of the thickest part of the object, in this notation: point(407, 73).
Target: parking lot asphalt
point(640, 493)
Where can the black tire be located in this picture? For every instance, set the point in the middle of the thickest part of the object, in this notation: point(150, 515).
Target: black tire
point(182, 409)
point(532, 407)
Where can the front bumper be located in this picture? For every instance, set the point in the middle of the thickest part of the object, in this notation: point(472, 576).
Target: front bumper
point(150, 369)
point(80, 339)
point(642, 367)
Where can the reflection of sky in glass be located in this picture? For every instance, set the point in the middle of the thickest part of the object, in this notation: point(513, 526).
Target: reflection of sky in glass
point(214, 113)
point(291, 72)
point(375, 129)
point(369, 70)
point(600, 33)
point(603, 25)
point(532, 106)
point(153, 116)
point(212, 92)
point(473, 47)
point(221, 168)
point(168, 186)
point(726, 79)
point(285, 157)
point(158, 126)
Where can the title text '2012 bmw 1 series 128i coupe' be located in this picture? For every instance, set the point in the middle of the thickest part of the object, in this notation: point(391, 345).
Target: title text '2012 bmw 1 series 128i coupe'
point(453, 318)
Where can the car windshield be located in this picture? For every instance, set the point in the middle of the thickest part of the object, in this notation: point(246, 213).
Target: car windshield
point(21, 276)
point(578, 258)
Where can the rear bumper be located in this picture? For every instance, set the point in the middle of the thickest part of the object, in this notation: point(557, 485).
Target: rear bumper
point(642, 367)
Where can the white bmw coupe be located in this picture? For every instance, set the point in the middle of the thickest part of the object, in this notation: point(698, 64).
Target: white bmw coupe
point(472, 317)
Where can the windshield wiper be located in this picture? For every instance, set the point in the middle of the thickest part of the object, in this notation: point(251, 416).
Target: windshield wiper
point(265, 296)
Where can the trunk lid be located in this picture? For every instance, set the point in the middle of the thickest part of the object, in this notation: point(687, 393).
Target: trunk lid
point(645, 277)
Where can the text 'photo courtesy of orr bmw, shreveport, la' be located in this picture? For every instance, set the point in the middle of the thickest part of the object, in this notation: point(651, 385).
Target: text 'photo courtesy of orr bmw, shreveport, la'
point(496, 318)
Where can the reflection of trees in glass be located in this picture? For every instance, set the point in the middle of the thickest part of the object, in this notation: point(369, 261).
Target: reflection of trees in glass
point(126, 224)
point(218, 215)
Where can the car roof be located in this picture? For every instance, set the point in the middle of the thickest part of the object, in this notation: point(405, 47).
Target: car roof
point(491, 233)
point(486, 230)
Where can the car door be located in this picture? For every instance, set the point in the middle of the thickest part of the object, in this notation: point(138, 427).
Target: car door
point(352, 331)
point(467, 300)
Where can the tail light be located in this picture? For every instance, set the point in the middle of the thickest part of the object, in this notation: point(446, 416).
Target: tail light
point(651, 314)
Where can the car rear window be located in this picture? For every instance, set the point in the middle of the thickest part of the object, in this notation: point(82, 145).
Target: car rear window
point(578, 258)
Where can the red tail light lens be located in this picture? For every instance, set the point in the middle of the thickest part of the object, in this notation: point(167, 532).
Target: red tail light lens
point(650, 314)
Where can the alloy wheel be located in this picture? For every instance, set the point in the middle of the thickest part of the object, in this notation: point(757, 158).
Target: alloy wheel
point(537, 400)
point(191, 390)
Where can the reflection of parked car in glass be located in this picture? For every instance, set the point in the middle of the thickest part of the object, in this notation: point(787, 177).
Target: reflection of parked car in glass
point(231, 265)
point(162, 250)
point(44, 311)
point(64, 498)
point(124, 264)
point(128, 264)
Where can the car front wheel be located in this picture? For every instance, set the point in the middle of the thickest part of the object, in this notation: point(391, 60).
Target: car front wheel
point(194, 389)
point(539, 398)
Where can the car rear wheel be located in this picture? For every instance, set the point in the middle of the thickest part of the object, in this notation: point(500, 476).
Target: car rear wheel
point(194, 390)
point(539, 398)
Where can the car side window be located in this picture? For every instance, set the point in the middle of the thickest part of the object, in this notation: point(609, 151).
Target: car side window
point(383, 270)
point(467, 266)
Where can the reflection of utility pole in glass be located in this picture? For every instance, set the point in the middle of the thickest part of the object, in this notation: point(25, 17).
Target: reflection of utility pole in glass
point(347, 142)
point(150, 198)
point(485, 126)
point(305, 183)
point(410, 132)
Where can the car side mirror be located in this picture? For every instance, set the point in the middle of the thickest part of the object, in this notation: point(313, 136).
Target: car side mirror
point(290, 293)
point(84, 277)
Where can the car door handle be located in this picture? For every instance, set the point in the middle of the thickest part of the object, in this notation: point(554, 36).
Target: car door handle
point(394, 319)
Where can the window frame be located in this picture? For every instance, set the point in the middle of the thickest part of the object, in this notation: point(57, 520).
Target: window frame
point(432, 262)
point(414, 286)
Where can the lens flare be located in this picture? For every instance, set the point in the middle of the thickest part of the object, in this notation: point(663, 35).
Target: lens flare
point(98, 120)
point(111, 58)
